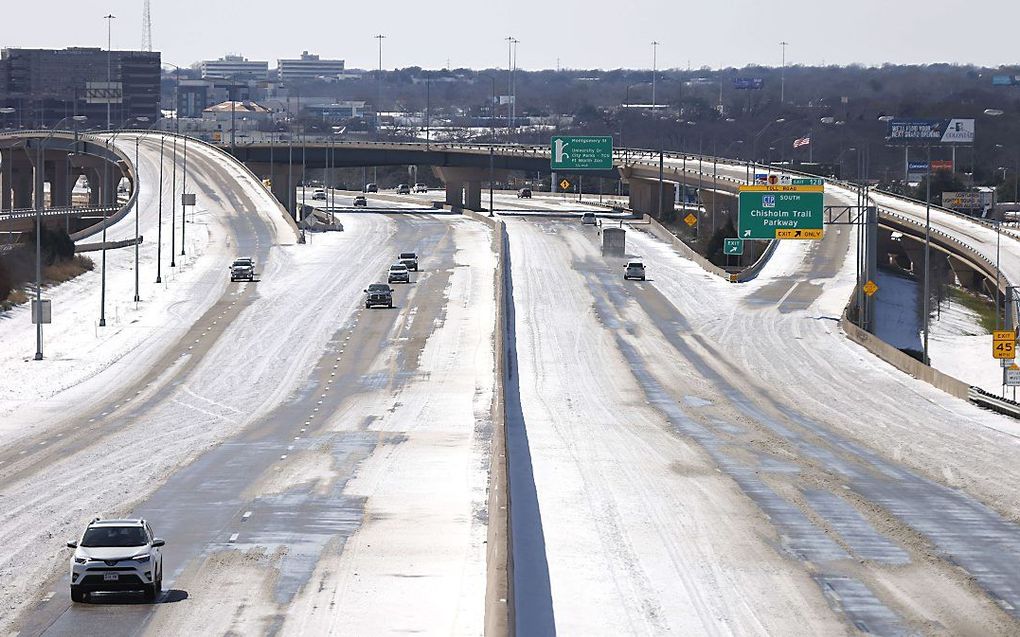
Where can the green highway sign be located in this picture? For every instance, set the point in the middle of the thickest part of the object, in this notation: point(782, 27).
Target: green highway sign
point(581, 153)
point(733, 246)
point(781, 212)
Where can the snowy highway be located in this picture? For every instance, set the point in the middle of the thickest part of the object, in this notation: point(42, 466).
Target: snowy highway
point(686, 455)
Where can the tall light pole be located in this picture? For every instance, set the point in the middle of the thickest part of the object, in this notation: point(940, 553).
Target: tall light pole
point(378, 89)
point(109, 63)
point(173, 203)
point(159, 221)
point(513, 88)
point(782, 74)
point(509, 80)
point(138, 178)
point(39, 178)
point(428, 105)
point(927, 245)
point(492, 140)
point(184, 189)
point(655, 51)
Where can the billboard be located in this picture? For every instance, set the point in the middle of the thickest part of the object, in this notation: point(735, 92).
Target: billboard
point(939, 131)
point(941, 164)
point(104, 92)
point(967, 200)
point(748, 83)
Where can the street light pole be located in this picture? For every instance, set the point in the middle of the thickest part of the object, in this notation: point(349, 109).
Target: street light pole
point(109, 64)
point(138, 173)
point(655, 51)
point(39, 170)
point(782, 75)
point(378, 90)
point(927, 245)
point(173, 204)
point(184, 189)
point(159, 222)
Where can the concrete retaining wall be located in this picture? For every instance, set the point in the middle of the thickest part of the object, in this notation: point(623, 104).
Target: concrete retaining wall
point(499, 593)
point(903, 362)
point(662, 233)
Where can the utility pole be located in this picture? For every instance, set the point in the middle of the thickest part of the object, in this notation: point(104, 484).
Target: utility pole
point(109, 63)
point(655, 50)
point(782, 74)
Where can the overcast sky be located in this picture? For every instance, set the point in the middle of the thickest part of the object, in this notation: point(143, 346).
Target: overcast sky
point(575, 33)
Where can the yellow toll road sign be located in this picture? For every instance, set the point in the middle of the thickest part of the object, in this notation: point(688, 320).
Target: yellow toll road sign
point(690, 219)
point(870, 288)
point(564, 184)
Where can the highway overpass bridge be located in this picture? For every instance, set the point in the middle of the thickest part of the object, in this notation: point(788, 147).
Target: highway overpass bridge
point(463, 168)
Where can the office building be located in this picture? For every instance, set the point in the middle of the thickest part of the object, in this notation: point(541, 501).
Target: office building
point(234, 67)
point(45, 86)
point(309, 67)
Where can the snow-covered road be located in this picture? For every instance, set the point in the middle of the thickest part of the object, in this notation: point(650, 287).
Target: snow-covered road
point(277, 398)
point(846, 457)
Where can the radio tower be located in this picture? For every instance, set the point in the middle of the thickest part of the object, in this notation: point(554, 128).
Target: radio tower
point(146, 27)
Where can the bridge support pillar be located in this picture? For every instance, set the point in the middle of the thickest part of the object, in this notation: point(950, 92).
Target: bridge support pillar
point(455, 194)
point(60, 183)
point(22, 187)
point(644, 197)
point(473, 196)
point(94, 178)
point(969, 277)
point(284, 189)
point(458, 180)
point(5, 190)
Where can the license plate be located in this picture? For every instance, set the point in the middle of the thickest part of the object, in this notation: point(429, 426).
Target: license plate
point(110, 577)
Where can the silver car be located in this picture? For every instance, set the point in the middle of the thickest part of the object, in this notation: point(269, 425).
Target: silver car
point(398, 274)
point(634, 270)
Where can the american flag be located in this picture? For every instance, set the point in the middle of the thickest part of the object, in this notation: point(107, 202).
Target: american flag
point(803, 141)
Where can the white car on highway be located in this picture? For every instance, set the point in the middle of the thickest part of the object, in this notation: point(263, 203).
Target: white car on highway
point(117, 556)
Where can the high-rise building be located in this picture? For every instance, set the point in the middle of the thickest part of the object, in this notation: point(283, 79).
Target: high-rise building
point(309, 67)
point(45, 86)
point(234, 67)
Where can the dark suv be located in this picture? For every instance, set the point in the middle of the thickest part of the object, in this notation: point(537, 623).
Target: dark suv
point(378, 295)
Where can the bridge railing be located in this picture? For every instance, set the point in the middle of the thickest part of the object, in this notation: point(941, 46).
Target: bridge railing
point(27, 213)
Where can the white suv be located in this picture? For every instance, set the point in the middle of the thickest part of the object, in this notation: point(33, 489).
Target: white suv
point(117, 555)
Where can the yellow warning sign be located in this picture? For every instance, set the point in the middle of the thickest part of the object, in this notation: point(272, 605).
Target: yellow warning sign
point(804, 233)
point(1004, 344)
point(870, 288)
point(690, 219)
point(564, 184)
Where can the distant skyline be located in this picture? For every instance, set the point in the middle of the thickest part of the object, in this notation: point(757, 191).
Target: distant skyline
point(569, 34)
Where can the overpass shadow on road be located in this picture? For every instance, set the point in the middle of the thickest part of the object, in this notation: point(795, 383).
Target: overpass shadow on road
point(533, 608)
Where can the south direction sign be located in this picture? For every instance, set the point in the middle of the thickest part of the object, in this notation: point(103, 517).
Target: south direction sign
point(781, 212)
point(581, 153)
point(733, 246)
